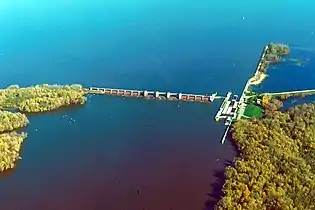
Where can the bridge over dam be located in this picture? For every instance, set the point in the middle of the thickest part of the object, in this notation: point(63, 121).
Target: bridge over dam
point(154, 94)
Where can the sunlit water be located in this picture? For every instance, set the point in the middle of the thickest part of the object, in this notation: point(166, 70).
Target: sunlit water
point(123, 153)
point(295, 72)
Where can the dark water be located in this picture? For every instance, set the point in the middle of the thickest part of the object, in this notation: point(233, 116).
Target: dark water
point(294, 101)
point(296, 72)
point(118, 153)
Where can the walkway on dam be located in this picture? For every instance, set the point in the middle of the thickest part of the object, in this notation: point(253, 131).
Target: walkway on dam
point(154, 94)
point(292, 92)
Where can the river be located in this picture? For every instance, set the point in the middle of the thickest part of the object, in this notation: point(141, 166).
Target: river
point(123, 153)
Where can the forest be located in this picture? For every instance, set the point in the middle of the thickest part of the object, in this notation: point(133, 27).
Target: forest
point(39, 98)
point(10, 121)
point(276, 166)
point(10, 142)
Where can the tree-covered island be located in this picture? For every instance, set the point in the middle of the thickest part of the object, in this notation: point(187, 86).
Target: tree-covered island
point(39, 98)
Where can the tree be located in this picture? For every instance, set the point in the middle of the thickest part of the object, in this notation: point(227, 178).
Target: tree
point(276, 167)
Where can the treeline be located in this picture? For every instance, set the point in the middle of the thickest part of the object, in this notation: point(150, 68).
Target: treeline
point(10, 145)
point(10, 121)
point(10, 142)
point(276, 167)
point(30, 99)
point(301, 95)
point(42, 98)
point(278, 49)
point(274, 54)
point(271, 104)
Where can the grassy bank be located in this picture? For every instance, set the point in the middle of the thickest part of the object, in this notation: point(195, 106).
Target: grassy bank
point(252, 111)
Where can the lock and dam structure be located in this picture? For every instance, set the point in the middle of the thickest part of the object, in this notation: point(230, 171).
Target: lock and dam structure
point(154, 94)
point(231, 109)
point(227, 109)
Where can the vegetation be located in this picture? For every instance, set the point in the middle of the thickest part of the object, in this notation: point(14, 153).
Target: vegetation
point(284, 97)
point(41, 98)
point(276, 167)
point(30, 99)
point(274, 54)
point(276, 51)
point(296, 62)
point(10, 121)
point(271, 104)
point(253, 111)
point(10, 142)
point(248, 93)
point(10, 145)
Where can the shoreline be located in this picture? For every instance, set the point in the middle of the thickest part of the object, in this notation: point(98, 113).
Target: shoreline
point(258, 78)
point(262, 146)
point(16, 102)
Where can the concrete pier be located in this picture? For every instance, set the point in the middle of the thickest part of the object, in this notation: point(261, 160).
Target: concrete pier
point(225, 133)
point(154, 94)
point(224, 106)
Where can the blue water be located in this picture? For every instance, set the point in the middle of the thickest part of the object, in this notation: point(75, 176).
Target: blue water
point(98, 156)
point(294, 101)
point(296, 72)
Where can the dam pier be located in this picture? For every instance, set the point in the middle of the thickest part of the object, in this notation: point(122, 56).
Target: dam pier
point(233, 109)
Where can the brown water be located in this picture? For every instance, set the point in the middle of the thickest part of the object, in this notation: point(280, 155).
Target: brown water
point(158, 161)
point(126, 153)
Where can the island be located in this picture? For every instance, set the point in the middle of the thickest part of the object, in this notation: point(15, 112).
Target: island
point(275, 168)
point(16, 102)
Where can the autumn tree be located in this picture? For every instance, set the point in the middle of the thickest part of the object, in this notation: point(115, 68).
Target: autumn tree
point(276, 166)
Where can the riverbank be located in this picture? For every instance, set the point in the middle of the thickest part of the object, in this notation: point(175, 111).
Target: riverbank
point(275, 168)
point(258, 78)
point(272, 53)
point(275, 156)
point(39, 98)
